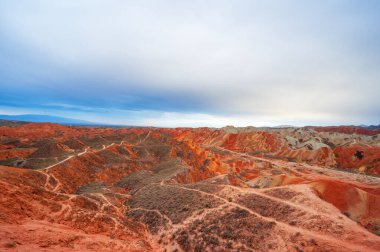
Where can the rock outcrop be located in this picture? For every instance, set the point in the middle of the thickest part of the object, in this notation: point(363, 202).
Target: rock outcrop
point(144, 189)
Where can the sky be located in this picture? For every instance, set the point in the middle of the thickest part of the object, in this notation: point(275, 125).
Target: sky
point(193, 63)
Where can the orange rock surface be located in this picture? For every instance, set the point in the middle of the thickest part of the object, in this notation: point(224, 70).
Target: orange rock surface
point(145, 189)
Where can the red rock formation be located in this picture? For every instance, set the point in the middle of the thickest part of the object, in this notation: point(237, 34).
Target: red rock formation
point(368, 159)
point(29, 202)
point(348, 130)
point(142, 189)
point(360, 203)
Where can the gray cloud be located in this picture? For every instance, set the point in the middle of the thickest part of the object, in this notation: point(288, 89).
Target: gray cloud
point(269, 61)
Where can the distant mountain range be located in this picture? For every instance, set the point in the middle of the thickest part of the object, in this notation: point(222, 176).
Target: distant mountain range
point(72, 121)
point(46, 118)
point(372, 126)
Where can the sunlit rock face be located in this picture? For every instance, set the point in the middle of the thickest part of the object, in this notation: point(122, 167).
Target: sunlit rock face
point(149, 189)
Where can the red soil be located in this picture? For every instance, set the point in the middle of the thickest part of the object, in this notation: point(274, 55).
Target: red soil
point(347, 130)
point(360, 203)
point(108, 193)
point(345, 158)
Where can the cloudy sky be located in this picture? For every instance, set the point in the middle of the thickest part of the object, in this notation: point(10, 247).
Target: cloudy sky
point(192, 63)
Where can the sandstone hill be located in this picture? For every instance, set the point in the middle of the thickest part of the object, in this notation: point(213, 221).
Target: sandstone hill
point(67, 188)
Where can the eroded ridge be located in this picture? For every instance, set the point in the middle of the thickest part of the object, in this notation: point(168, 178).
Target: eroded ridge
point(143, 189)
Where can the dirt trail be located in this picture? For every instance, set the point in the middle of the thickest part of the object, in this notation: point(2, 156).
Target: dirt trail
point(153, 211)
point(66, 159)
point(322, 171)
point(80, 154)
point(286, 227)
point(145, 138)
point(285, 202)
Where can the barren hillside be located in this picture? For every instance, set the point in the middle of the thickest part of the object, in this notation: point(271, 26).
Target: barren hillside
point(149, 189)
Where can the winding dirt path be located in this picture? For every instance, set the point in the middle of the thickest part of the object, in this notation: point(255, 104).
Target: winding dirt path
point(278, 200)
point(80, 154)
point(322, 171)
point(66, 159)
point(153, 211)
point(332, 240)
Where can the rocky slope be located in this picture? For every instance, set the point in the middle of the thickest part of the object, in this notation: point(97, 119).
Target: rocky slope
point(232, 189)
